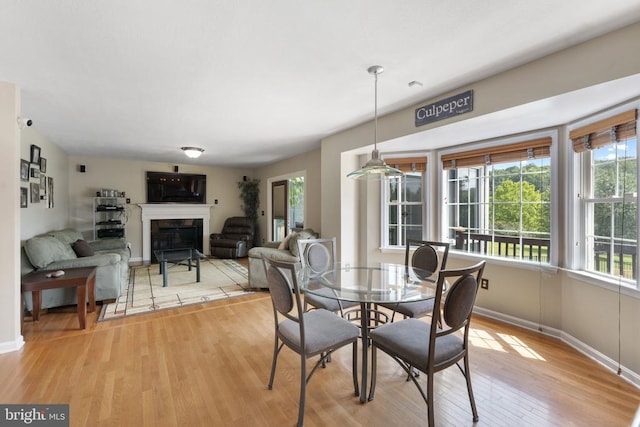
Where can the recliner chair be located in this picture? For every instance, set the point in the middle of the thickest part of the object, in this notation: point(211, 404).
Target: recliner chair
point(235, 240)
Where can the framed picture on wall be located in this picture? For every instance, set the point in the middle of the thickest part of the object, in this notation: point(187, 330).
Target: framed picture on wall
point(50, 191)
point(24, 196)
point(35, 173)
point(35, 192)
point(43, 165)
point(35, 154)
point(24, 170)
point(43, 183)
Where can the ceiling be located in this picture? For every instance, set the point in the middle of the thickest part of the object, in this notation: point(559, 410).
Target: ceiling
point(254, 81)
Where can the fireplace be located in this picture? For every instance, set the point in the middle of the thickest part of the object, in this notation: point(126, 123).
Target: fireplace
point(175, 234)
point(172, 213)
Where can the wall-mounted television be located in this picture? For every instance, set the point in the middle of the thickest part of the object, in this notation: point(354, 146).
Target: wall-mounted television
point(167, 187)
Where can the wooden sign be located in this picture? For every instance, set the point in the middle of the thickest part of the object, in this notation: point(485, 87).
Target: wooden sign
point(445, 108)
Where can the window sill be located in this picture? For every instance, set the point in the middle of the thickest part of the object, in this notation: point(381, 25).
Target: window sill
point(505, 262)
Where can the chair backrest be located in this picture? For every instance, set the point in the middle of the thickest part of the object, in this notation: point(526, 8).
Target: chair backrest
point(429, 256)
point(284, 289)
point(239, 228)
point(459, 300)
point(317, 255)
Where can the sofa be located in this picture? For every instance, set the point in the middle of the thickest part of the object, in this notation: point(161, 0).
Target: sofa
point(286, 251)
point(62, 249)
point(235, 239)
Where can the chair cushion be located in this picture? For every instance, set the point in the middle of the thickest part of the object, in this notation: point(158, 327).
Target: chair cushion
point(330, 304)
point(409, 339)
point(412, 309)
point(82, 248)
point(323, 331)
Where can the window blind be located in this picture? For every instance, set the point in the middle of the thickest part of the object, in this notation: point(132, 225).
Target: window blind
point(408, 164)
point(604, 132)
point(524, 150)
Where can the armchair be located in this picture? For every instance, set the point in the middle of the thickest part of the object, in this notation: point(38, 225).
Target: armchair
point(235, 240)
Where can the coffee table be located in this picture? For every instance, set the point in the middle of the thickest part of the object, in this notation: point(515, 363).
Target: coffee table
point(82, 278)
point(177, 257)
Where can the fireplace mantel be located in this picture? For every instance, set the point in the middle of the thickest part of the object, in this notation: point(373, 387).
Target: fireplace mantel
point(152, 211)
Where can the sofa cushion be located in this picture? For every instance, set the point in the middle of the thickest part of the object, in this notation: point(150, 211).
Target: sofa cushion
point(307, 233)
point(82, 248)
point(272, 253)
point(284, 245)
point(44, 250)
point(68, 235)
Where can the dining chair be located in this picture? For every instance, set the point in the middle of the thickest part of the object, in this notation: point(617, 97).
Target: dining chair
point(429, 256)
point(429, 347)
point(310, 333)
point(319, 256)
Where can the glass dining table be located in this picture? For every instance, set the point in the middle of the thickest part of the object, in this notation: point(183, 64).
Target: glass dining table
point(370, 285)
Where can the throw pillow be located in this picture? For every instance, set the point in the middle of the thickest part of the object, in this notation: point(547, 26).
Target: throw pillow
point(82, 248)
point(284, 245)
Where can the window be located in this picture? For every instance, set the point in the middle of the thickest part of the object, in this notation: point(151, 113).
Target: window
point(607, 157)
point(404, 202)
point(497, 200)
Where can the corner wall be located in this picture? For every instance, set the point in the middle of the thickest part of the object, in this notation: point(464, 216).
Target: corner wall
point(10, 333)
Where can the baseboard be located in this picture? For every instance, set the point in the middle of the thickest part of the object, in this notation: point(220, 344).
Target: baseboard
point(593, 354)
point(9, 346)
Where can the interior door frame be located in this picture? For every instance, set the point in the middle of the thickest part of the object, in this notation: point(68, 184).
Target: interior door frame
point(274, 184)
point(269, 209)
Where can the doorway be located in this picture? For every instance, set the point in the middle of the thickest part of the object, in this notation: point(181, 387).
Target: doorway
point(287, 207)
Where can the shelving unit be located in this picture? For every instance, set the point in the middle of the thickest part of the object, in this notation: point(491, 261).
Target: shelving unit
point(109, 217)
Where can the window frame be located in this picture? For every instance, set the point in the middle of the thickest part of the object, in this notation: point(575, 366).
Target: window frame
point(386, 205)
point(579, 165)
point(554, 243)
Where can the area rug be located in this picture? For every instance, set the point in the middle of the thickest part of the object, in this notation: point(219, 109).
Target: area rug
point(219, 279)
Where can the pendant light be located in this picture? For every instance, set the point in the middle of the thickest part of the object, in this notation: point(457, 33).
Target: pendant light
point(376, 167)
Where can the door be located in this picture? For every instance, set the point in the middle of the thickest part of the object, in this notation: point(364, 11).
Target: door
point(280, 210)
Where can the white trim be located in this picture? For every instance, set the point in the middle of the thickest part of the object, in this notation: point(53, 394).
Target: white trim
point(10, 346)
point(630, 376)
point(173, 211)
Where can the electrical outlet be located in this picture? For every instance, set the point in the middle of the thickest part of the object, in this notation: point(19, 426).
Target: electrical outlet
point(484, 284)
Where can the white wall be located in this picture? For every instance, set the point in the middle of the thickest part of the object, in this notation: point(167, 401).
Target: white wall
point(37, 218)
point(579, 310)
point(130, 176)
point(309, 164)
point(10, 334)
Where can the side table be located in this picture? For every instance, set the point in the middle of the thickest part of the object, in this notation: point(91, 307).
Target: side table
point(81, 278)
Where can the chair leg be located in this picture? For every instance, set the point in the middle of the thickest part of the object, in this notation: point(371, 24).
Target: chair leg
point(274, 361)
point(354, 368)
point(303, 389)
point(467, 375)
point(374, 366)
point(430, 407)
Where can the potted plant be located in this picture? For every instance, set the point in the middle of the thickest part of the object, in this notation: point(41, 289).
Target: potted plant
point(250, 195)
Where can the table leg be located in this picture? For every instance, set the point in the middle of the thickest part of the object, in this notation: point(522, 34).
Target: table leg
point(163, 268)
point(91, 284)
point(82, 304)
point(197, 268)
point(364, 330)
point(35, 310)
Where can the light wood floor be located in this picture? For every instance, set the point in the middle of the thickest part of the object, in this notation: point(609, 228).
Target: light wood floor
point(208, 365)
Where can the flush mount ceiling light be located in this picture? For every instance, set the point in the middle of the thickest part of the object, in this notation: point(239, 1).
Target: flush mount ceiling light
point(376, 167)
point(193, 152)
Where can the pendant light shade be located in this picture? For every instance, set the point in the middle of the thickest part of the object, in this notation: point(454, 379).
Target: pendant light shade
point(376, 167)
